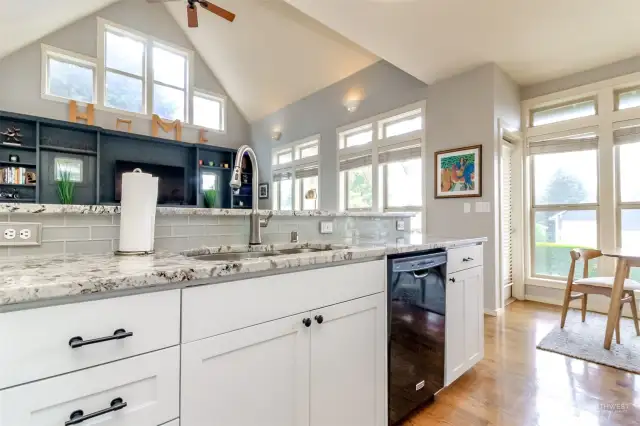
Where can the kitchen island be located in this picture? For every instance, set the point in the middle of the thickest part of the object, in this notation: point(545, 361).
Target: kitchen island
point(287, 339)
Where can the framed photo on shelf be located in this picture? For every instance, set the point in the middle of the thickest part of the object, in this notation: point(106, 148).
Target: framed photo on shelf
point(263, 191)
point(458, 172)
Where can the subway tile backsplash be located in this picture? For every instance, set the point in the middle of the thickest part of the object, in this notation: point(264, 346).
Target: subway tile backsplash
point(95, 234)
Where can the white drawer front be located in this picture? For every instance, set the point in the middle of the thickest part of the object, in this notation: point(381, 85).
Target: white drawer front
point(464, 258)
point(215, 309)
point(148, 384)
point(39, 338)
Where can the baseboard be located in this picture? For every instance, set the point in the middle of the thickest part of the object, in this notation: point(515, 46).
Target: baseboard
point(594, 305)
point(493, 313)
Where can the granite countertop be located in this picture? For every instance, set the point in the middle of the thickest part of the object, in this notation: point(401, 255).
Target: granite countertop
point(193, 211)
point(34, 279)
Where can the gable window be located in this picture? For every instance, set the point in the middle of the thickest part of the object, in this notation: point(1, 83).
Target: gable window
point(125, 71)
point(67, 75)
point(208, 111)
point(563, 112)
point(169, 83)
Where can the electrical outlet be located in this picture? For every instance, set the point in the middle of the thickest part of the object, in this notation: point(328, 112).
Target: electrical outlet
point(400, 225)
point(20, 234)
point(326, 227)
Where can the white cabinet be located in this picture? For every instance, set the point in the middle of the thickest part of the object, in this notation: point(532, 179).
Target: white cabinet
point(348, 363)
point(464, 345)
point(255, 376)
point(285, 373)
point(143, 389)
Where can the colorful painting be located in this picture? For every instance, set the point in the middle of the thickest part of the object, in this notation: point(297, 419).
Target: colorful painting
point(459, 172)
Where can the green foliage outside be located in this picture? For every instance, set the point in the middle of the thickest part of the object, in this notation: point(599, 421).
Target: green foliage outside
point(554, 259)
point(448, 162)
point(360, 188)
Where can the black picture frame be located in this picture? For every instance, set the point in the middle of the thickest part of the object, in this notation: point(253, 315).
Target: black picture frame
point(263, 191)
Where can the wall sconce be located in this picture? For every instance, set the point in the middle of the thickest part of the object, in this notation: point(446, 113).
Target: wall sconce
point(353, 98)
point(276, 135)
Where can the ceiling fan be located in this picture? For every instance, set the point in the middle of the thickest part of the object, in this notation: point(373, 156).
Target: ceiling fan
point(192, 12)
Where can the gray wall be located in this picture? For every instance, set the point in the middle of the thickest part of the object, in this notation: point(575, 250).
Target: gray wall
point(386, 88)
point(20, 71)
point(605, 72)
point(461, 111)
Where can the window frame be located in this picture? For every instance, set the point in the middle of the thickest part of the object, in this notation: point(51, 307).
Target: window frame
point(292, 166)
point(561, 104)
point(385, 190)
point(621, 205)
point(67, 56)
point(188, 56)
point(204, 94)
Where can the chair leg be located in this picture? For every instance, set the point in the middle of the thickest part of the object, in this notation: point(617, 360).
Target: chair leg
point(584, 307)
point(618, 324)
point(634, 312)
point(565, 305)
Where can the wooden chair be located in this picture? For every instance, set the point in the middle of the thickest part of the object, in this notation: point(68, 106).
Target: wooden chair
point(596, 285)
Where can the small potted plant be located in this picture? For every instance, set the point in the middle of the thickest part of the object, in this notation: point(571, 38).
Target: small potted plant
point(210, 198)
point(66, 188)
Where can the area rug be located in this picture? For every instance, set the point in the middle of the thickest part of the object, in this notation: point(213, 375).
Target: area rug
point(585, 340)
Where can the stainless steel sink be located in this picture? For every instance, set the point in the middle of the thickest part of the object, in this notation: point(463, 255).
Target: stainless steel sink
point(235, 256)
point(302, 250)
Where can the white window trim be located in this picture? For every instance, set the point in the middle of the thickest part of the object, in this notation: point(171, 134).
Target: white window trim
point(377, 124)
point(214, 97)
point(66, 56)
point(608, 118)
point(294, 165)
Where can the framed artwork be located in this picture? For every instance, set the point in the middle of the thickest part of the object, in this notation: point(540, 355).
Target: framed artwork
point(263, 191)
point(458, 172)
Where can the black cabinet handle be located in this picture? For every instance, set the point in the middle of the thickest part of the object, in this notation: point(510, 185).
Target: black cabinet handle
point(307, 322)
point(78, 342)
point(452, 279)
point(78, 416)
point(467, 259)
point(319, 319)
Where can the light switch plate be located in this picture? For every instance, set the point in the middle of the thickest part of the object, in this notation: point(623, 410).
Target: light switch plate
point(483, 207)
point(467, 207)
point(20, 234)
point(326, 227)
point(400, 225)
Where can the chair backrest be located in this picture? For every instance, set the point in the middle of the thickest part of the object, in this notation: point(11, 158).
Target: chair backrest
point(586, 255)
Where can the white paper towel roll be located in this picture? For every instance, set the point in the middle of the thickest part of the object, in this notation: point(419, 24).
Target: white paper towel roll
point(138, 211)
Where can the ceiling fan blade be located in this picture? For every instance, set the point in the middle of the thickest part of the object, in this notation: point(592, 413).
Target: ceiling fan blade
point(223, 13)
point(192, 16)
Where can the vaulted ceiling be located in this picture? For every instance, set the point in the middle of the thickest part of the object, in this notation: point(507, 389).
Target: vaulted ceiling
point(533, 41)
point(272, 54)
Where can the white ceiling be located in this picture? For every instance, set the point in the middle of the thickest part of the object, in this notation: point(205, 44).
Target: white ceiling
point(533, 41)
point(23, 22)
point(272, 54)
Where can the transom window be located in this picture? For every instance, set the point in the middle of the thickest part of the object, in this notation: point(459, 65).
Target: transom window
point(627, 98)
point(208, 111)
point(563, 112)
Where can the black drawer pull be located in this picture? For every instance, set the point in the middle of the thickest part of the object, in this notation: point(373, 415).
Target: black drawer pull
point(467, 259)
point(307, 322)
point(319, 319)
point(78, 342)
point(78, 416)
point(452, 279)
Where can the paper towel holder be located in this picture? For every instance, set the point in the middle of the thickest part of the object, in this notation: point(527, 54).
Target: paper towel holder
point(134, 253)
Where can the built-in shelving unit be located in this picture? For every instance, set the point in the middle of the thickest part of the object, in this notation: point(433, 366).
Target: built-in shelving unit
point(43, 139)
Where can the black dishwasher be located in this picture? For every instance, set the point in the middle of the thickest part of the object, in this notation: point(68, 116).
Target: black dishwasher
point(416, 286)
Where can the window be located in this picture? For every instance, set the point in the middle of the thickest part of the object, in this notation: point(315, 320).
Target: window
point(69, 166)
point(628, 152)
point(208, 111)
point(125, 69)
point(67, 76)
point(283, 191)
point(296, 175)
point(563, 112)
point(628, 98)
point(169, 83)
point(564, 179)
point(401, 124)
point(209, 181)
point(359, 188)
point(355, 137)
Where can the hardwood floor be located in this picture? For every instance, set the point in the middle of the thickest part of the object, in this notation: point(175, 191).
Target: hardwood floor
point(518, 385)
